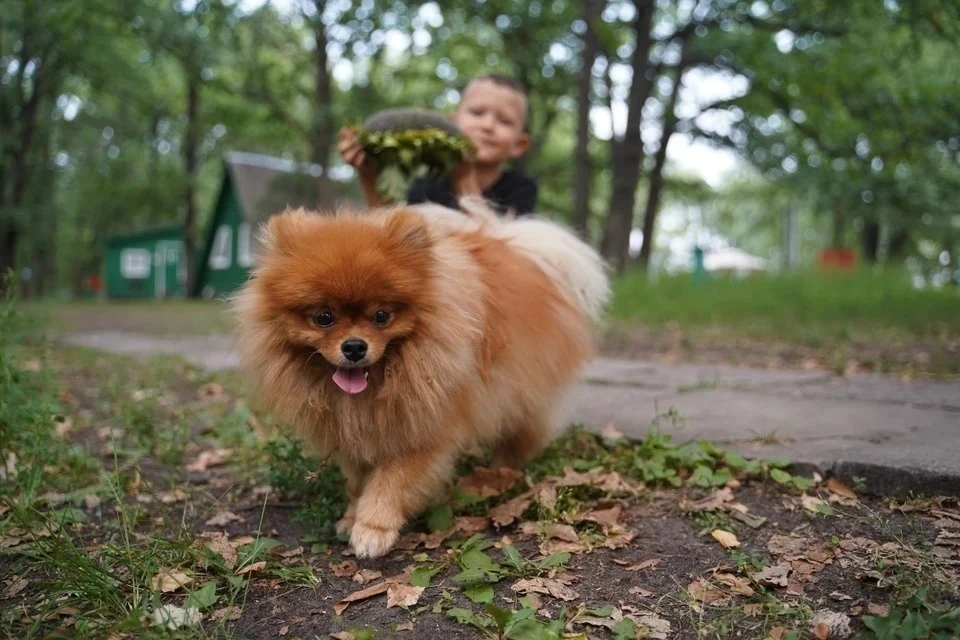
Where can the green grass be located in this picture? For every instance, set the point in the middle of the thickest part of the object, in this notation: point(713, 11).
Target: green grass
point(804, 307)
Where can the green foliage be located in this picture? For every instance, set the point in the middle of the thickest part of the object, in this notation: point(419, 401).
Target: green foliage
point(917, 620)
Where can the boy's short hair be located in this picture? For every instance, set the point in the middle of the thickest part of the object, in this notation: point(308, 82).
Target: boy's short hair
point(509, 82)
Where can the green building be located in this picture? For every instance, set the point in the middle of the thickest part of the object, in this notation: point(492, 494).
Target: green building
point(254, 188)
point(145, 264)
point(149, 264)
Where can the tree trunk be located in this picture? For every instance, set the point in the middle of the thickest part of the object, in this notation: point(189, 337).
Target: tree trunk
point(321, 138)
point(870, 240)
point(190, 165)
point(627, 153)
point(582, 166)
point(898, 245)
point(656, 177)
point(8, 248)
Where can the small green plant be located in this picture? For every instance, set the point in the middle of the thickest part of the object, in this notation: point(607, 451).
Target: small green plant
point(916, 620)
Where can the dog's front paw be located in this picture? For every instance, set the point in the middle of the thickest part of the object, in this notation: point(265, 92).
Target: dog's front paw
point(372, 541)
point(345, 525)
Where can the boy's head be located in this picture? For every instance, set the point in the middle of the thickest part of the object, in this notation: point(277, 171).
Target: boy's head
point(493, 114)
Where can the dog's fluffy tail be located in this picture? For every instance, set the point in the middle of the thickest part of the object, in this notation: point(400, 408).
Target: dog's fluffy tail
point(570, 262)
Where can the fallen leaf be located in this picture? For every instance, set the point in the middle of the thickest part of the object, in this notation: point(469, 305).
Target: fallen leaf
point(210, 391)
point(726, 539)
point(550, 547)
point(830, 624)
point(172, 617)
point(219, 543)
point(169, 497)
point(469, 525)
point(209, 458)
point(403, 595)
point(775, 575)
point(714, 501)
point(504, 514)
point(835, 486)
point(739, 586)
point(7, 542)
point(749, 519)
point(343, 635)
point(250, 568)
point(546, 586)
point(345, 569)
point(700, 589)
point(841, 597)
point(547, 497)
point(91, 501)
point(606, 518)
point(563, 532)
point(879, 610)
point(223, 518)
point(284, 630)
point(640, 591)
point(610, 432)
point(168, 580)
point(652, 626)
point(752, 610)
point(366, 575)
point(814, 504)
point(487, 483)
point(15, 588)
point(787, 546)
point(618, 540)
point(646, 564)
point(291, 553)
point(821, 631)
point(363, 594)
point(227, 613)
point(405, 626)
point(776, 633)
point(241, 541)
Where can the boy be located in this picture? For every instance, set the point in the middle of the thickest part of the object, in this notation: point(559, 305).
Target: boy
point(492, 113)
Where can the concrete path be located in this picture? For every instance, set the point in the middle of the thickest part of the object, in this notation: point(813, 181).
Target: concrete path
point(899, 436)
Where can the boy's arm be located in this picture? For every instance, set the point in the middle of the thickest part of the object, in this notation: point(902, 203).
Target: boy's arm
point(352, 153)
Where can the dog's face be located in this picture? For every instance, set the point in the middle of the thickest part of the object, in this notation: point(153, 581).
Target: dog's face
point(343, 289)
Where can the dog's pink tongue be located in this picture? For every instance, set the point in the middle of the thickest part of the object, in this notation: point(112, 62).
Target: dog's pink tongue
point(351, 380)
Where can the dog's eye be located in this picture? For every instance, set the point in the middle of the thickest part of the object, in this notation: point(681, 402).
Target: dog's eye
point(323, 319)
point(381, 317)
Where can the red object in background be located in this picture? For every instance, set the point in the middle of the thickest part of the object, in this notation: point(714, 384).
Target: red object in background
point(838, 259)
point(94, 283)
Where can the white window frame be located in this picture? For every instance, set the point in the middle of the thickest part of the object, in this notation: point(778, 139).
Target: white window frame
point(135, 263)
point(221, 253)
point(245, 257)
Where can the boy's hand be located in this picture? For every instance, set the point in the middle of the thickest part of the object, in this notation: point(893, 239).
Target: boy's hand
point(352, 153)
point(464, 180)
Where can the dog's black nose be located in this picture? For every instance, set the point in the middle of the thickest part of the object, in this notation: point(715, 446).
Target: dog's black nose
point(354, 350)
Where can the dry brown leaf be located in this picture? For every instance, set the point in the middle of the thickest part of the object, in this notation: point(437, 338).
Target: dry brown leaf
point(550, 547)
point(726, 539)
point(641, 592)
point(547, 497)
point(284, 630)
point(363, 594)
point(469, 525)
point(739, 586)
point(879, 610)
point(813, 504)
point(405, 626)
point(610, 432)
point(240, 541)
point(504, 514)
point(227, 613)
point(700, 589)
point(606, 518)
point(402, 595)
point(209, 458)
point(223, 518)
point(91, 501)
point(487, 483)
point(787, 546)
point(835, 486)
point(169, 497)
point(646, 564)
point(752, 610)
point(714, 501)
point(219, 543)
point(548, 586)
point(775, 575)
point(821, 631)
point(776, 633)
point(366, 575)
point(291, 553)
point(830, 624)
point(133, 486)
point(250, 568)
point(210, 391)
point(563, 532)
point(15, 588)
point(345, 569)
point(169, 580)
point(618, 540)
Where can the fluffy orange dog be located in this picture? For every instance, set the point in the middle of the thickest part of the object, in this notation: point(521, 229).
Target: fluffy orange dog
point(395, 340)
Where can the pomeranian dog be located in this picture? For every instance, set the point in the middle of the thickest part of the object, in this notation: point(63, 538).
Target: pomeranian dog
point(395, 340)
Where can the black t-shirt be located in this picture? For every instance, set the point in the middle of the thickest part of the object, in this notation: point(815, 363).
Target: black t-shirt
point(513, 191)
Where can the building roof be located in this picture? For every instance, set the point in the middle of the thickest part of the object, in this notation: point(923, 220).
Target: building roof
point(266, 185)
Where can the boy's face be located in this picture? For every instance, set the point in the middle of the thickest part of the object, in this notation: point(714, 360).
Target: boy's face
point(492, 116)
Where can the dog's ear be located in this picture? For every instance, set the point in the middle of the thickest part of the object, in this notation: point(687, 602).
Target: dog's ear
point(280, 232)
point(408, 230)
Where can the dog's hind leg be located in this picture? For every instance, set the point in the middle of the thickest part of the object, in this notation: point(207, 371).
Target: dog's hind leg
point(523, 441)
